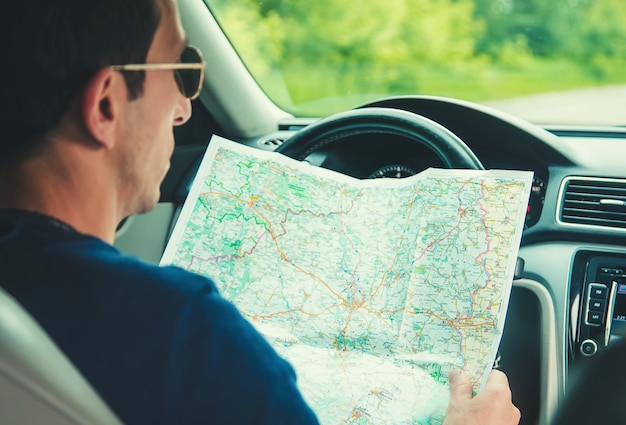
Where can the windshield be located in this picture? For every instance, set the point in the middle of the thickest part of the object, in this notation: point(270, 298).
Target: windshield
point(551, 62)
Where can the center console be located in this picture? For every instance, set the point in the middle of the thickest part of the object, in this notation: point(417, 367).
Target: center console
point(597, 303)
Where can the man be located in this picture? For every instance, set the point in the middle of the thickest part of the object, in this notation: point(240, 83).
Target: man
point(95, 90)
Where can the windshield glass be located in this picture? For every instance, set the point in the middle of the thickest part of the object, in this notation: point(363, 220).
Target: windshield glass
point(547, 61)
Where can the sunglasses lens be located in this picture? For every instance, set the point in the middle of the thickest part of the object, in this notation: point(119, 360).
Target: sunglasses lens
point(189, 80)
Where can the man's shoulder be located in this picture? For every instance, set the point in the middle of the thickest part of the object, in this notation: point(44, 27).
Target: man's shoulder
point(37, 250)
point(117, 269)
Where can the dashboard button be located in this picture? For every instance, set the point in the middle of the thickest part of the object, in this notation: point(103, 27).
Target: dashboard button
point(596, 304)
point(595, 318)
point(597, 290)
point(588, 347)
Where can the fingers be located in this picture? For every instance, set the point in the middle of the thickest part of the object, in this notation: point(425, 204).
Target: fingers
point(497, 378)
point(492, 405)
point(498, 392)
point(460, 385)
point(498, 383)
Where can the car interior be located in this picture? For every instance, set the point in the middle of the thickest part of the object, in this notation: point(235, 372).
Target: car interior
point(569, 295)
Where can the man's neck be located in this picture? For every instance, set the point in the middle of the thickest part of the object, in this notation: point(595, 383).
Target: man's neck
point(82, 198)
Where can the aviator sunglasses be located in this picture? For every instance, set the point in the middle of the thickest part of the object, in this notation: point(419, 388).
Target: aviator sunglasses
point(188, 73)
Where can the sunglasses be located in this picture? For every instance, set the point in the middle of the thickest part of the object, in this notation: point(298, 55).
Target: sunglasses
point(188, 73)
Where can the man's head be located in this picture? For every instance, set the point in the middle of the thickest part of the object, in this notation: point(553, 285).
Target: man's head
point(78, 115)
point(54, 47)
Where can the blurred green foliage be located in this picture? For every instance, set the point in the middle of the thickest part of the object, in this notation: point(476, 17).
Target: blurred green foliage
point(319, 57)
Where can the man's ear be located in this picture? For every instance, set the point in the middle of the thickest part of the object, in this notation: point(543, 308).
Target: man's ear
point(101, 105)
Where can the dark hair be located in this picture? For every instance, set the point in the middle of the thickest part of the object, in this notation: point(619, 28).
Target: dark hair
point(51, 48)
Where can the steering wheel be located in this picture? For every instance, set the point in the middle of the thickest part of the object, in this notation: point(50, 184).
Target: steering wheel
point(453, 152)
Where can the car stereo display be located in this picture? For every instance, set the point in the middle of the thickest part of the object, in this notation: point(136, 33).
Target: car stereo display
point(618, 322)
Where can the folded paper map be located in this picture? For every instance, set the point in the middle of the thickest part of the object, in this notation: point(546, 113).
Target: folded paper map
point(374, 290)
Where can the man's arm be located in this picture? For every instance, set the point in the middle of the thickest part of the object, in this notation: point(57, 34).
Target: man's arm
point(492, 405)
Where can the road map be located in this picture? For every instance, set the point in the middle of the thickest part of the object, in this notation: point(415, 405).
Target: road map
point(374, 290)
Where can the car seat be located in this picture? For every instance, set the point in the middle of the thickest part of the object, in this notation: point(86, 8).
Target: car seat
point(38, 384)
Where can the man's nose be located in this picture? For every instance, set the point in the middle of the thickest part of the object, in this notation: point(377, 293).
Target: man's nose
point(183, 113)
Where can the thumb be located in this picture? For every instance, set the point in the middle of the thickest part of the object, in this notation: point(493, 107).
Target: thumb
point(460, 385)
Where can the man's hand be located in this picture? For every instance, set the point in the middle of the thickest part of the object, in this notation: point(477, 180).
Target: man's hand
point(492, 405)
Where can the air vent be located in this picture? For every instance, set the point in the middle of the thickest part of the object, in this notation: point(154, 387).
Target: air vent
point(593, 202)
point(272, 142)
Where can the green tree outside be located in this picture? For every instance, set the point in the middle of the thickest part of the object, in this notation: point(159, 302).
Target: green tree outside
point(316, 58)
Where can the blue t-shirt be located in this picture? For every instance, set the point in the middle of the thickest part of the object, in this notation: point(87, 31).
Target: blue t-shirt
point(159, 344)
